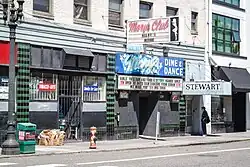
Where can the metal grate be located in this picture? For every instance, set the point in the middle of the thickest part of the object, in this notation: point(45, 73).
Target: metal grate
point(70, 104)
point(36, 79)
point(100, 94)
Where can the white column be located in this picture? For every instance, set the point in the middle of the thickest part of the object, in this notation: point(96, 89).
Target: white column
point(247, 111)
point(208, 54)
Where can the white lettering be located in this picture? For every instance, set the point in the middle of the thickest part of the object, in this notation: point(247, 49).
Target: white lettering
point(173, 71)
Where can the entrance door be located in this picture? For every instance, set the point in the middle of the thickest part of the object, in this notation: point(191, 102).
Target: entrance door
point(239, 112)
point(70, 91)
point(193, 115)
point(189, 115)
point(143, 114)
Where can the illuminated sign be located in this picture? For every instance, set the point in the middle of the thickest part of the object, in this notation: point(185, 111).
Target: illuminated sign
point(143, 64)
point(156, 30)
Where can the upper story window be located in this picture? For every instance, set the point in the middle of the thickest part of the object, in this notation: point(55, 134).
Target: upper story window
point(145, 10)
point(226, 34)
point(194, 22)
point(115, 12)
point(172, 11)
point(42, 6)
point(231, 2)
point(81, 9)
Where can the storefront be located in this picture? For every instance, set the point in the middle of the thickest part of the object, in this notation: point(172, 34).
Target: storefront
point(147, 84)
point(239, 101)
point(68, 84)
point(221, 113)
point(60, 83)
point(4, 88)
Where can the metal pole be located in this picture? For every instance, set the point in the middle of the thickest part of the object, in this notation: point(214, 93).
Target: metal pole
point(11, 146)
point(157, 126)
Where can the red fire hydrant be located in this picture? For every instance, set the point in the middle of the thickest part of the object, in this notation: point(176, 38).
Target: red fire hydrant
point(93, 138)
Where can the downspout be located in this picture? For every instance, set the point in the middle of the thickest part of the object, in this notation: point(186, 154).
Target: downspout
point(206, 99)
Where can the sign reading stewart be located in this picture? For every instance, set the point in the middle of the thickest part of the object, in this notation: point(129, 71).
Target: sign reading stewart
point(157, 30)
point(207, 88)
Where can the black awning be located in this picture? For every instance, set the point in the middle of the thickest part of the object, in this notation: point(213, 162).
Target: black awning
point(239, 77)
point(77, 59)
point(78, 52)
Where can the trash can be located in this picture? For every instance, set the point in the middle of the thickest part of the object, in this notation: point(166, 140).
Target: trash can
point(26, 136)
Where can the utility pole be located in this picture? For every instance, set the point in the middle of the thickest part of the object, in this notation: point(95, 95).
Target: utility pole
point(11, 15)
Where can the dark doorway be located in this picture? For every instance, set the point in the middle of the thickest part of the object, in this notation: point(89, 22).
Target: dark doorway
point(143, 113)
point(239, 111)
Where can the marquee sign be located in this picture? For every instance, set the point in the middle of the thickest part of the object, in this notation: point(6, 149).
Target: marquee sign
point(207, 88)
point(157, 30)
point(149, 83)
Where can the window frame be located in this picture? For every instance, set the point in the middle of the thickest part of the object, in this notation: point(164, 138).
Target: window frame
point(100, 95)
point(48, 15)
point(194, 22)
point(85, 6)
point(150, 5)
point(4, 86)
point(35, 94)
point(234, 45)
point(175, 10)
point(120, 12)
point(230, 3)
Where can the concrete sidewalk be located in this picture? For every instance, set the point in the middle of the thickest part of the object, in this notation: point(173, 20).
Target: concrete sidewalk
point(119, 145)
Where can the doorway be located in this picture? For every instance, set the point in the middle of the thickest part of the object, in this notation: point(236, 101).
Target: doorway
point(70, 104)
point(143, 113)
point(193, 114)
point(239, 111)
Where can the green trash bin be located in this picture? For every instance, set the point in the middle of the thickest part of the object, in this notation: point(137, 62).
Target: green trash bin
point(26, 136)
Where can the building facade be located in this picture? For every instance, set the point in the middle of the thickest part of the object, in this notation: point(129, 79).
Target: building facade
point(230, 62)
point(67, 51)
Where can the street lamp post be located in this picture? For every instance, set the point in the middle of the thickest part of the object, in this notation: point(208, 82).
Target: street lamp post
point(11, 15)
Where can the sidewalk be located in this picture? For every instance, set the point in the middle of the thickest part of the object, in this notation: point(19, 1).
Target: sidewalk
point(119, 145)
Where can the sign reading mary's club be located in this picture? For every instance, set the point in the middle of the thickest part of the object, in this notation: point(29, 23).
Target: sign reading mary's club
point(157, 30)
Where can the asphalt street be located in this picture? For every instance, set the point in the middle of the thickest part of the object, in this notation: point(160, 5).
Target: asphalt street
point(219, 155)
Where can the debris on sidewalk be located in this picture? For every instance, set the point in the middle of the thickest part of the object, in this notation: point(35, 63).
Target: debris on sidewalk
point(53, 137)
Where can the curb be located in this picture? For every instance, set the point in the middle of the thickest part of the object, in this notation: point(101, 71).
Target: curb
point(211, 143)
point(123, 149)
point(152, 138)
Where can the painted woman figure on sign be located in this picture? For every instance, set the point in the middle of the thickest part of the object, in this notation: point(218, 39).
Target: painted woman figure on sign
point(174, 28)
point(204, 120)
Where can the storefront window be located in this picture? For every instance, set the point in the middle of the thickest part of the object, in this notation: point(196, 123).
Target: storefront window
point(4, 88)
point(43, 86)
point(217, 109)
point(94, 88)
point(4, 84)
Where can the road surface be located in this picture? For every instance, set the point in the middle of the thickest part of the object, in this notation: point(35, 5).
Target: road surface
point(220, 155)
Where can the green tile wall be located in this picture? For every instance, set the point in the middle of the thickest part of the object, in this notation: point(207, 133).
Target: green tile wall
point(110, 96)
point(182, 111)
point(23, 81)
